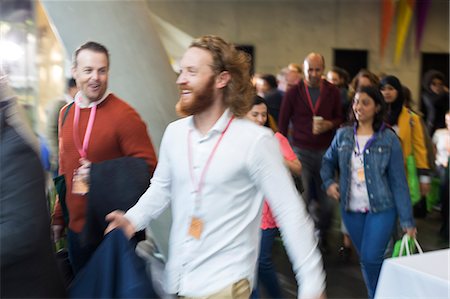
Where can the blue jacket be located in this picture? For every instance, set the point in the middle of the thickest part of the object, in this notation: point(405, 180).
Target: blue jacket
point(114, 271)
point(383, 167)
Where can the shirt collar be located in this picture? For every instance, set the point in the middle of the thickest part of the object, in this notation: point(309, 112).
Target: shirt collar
point(90, 104)
point(68, 98)
point(222, 122)
point(219, 126)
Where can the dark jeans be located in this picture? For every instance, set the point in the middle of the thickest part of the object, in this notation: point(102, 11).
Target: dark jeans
point(79, 255)
point(320, 206)
point(370, 233)
point(266, 272)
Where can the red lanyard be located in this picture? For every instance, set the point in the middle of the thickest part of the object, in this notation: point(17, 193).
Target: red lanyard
point(199, 185)
point(82, 149)
point(313, 108)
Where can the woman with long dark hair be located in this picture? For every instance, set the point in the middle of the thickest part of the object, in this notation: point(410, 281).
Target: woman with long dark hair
point(408, 127)
point(372, 188)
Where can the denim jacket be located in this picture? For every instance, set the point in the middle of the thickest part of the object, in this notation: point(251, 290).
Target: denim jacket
point(383, 168)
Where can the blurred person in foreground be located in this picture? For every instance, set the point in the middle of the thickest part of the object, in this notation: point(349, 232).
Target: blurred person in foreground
point(28, 264)
point(372, 188)
point(214, 170)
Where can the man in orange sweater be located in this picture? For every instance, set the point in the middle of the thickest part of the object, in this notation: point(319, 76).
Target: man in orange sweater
point(97, 127)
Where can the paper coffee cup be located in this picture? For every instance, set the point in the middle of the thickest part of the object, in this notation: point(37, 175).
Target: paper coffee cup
point(316, 120)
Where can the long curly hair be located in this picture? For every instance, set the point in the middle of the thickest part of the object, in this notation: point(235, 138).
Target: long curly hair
point(239, 92)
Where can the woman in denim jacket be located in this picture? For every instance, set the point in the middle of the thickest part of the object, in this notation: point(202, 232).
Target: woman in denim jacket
point(372, 188)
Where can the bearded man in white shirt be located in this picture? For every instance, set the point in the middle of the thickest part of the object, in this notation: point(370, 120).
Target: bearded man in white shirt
point(215, 167)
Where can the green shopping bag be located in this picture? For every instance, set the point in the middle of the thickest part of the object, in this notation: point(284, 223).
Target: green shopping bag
point(406, 246)
point(434, 196)
point(413, 179)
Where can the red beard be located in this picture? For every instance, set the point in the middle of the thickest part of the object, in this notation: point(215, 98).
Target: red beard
point(201, 100)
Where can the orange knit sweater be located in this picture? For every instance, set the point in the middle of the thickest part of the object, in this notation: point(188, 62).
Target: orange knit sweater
point(118, 131)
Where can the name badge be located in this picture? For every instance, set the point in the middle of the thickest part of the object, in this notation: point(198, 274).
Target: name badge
point(196, 228)
point(360, 174)
point(80, 185)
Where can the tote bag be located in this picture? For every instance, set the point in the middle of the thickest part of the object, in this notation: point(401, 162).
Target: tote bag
point(406, 246)
point(413, 179)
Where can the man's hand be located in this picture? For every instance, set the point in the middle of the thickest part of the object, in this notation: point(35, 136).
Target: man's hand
point(322, 126)
point(85, 169)
point(333, 191)
point(117, 219)
point(57, 231)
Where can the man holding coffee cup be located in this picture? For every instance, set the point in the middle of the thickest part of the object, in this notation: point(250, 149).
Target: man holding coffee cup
point(314, 109)
point(318, 124)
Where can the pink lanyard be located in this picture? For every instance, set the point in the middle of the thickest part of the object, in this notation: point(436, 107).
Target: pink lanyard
point(313, 108)
point(199, 186)
point(76, 135)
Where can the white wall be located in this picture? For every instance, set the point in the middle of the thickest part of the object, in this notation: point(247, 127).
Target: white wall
point(286, 31)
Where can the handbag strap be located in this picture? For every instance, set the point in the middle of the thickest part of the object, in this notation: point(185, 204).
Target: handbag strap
point(405, 245)
point(418, 246)
point(65, 114)
point(64, 118)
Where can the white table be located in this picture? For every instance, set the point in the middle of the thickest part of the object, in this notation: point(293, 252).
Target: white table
point(416, 276)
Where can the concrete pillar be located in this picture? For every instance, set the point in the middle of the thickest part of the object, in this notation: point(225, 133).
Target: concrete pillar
point(140, 70)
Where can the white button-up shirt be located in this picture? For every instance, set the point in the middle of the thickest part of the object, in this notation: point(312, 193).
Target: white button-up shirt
point(246, 165)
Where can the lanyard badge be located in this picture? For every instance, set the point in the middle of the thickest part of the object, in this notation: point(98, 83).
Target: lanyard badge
point(80, 184)
point(197, 224)
point(360, 154)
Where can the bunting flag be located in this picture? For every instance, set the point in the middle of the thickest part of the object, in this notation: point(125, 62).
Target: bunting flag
point(405, 12)
point(422, 8)
point(387, 15)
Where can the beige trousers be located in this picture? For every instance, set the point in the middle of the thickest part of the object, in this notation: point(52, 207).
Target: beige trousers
point(237, 290)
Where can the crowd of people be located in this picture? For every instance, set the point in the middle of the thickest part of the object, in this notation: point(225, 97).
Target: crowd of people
point(333, 140)
point(249, 158)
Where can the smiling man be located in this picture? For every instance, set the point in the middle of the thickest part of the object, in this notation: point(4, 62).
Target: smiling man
point(214, 169)
point(97, 127)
